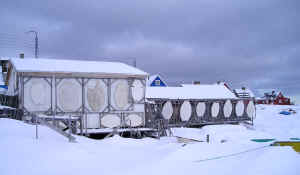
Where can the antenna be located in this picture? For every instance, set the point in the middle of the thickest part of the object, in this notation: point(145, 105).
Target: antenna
point(36, 48)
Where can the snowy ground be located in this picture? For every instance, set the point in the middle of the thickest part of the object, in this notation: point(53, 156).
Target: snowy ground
point(52, 154)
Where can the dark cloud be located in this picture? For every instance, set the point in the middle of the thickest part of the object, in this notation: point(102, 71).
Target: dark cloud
point(254, 43)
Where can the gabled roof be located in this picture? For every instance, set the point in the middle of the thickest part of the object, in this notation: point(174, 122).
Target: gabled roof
point(190, 92)
point(73, 66)
point(152, 78)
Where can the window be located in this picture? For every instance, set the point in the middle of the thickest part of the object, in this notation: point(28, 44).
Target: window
point(157, 82)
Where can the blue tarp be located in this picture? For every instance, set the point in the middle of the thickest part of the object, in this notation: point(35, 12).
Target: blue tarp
point(285, 113)
point(3, 86)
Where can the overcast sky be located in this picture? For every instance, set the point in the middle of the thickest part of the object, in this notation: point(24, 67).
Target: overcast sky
point(252, 43)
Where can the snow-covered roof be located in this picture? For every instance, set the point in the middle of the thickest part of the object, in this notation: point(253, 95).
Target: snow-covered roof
point(74, 66)
point(190, 92)
point(185, 85)
point(4, 58)
point(244, 91)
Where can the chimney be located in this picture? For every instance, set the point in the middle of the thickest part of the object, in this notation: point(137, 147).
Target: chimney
point(22, 55)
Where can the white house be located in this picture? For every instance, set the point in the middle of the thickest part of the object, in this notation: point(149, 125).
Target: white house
point(107, 94)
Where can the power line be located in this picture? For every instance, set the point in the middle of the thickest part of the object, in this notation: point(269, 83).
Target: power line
point(12, 42)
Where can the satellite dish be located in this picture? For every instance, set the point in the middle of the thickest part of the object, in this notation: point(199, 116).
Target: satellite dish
point(239, 108)
point(200, 109)
point(167, 110)
point(185, 111)
point(215, 109)
point(227, 109)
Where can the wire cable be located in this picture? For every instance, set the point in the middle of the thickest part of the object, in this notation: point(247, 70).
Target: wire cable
point(232, 155)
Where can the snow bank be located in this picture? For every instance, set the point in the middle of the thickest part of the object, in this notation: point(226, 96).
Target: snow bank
point(52, 154)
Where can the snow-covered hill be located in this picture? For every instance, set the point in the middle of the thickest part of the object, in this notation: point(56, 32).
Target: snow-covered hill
point(21, 153)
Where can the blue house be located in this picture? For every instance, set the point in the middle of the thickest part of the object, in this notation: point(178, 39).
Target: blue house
point(156, 80)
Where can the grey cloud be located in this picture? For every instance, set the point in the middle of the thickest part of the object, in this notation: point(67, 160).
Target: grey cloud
point(253, 43)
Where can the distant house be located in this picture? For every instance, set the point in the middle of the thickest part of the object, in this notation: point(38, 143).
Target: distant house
point(156, 80)
point(244, 93)
point(274, 98)
point(282, 100)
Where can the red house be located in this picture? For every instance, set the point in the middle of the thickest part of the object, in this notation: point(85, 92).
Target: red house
point(282, 100)
point(273, 98)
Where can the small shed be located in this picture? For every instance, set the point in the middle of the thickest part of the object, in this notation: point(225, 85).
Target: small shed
point(104, 94)
point(156, 81)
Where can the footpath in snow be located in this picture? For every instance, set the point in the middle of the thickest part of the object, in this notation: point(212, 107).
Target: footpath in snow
point(52, 154)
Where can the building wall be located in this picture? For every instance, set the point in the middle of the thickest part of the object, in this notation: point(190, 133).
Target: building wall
point(104, 102)
point(282, 101)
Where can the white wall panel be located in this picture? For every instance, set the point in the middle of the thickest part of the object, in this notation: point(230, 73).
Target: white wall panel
point(96, 95)
point(167, 110)
point(120, 95)
point(138, 90)
point(239, 108)
point(227, 109)
point(139, 108)
point(93, 121)
point(215, 108)
point(250, 109)
point(134, 120)
point(37, 95)
point(69, 95)
point(200, 109)
point(110, 120)
point(185, 111)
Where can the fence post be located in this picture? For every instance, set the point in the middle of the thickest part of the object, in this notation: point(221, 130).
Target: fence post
point(36, 127)
point(70, 129)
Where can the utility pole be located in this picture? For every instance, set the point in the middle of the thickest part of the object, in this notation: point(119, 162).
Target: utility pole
point(134, 62)
point(36, 46)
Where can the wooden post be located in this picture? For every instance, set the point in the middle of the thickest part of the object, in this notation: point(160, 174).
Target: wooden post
point(81, 124)
point(36, 128)
point(86, 125)
point(70, 129)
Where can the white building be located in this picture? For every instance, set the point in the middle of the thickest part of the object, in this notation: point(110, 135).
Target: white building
point(107, 94)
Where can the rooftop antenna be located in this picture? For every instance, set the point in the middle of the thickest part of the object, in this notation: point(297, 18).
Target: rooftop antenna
point(36, 48)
